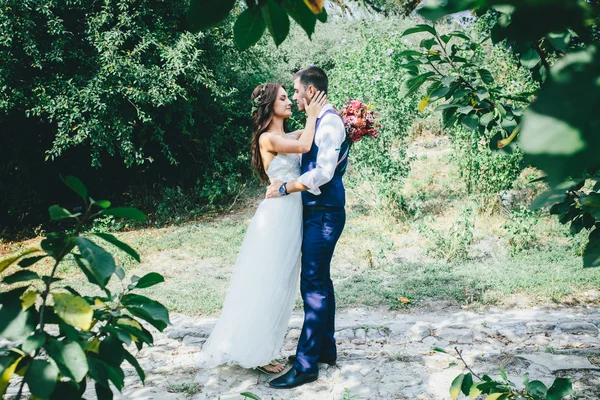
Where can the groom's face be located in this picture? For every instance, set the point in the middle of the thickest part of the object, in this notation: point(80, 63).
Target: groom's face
point(302, 92)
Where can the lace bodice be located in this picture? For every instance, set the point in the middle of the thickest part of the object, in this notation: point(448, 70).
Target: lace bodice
point(284, 167)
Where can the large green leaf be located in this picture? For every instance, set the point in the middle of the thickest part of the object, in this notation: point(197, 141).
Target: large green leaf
point(412, 85)
point(300, 12)
point(8, 261)
point(277, 21)
point(420, 28)
point(556, 194)
point(8, 365)
point(560, 388)
point(455, 387)
point(28, 262)
point(123, 246)
point(147, 309)
point(15, 323)
point(96, 262)
point(74, 310)
point(68, 390)
point(537, 389)
point(69, 357)
point(125, 212)
point(467, 382)
point(34, 342)
point(323, 16)
point(147, 280)
point(57, 244)
point(204, 14)
point(20, 276)
point(591, 254)
point(135, 329)
point(471, 121)
point(57, 213)
point(132, 360)
point(103, 392)
point(561, 137)
point(77, 186)
point(249, 28)
point(41, 378)
point(591, 204)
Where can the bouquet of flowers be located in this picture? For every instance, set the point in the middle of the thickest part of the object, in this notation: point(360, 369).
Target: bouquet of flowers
point(359, 120)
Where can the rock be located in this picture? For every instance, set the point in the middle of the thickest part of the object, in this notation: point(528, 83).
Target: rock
point(360, 335)
point(293, 334)
point(462, 336)
point(344, 335)
point(558, 362)
point(430, 340)
point(193, 341)
point(578, 328)
point(538, 327)
point(419, 331)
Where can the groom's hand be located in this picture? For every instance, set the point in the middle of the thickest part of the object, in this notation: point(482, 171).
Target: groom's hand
point(273, 189)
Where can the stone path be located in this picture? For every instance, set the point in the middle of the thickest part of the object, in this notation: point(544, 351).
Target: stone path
point(388, 355)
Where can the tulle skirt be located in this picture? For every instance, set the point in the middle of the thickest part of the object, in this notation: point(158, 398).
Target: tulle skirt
point(263, 289)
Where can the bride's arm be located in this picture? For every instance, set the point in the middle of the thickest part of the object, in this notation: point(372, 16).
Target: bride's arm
point(278, 144)
point(296, 134)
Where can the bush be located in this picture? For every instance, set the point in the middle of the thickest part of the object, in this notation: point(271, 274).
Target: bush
point(60, 337)
point(366, 68)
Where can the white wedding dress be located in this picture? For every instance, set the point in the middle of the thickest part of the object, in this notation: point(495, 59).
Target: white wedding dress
point(263, 288)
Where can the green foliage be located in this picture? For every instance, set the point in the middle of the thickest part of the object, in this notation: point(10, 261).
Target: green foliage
point(252, 22)
point(453, 246)
point(504, 389)
point(122, 87)
point(366, 68)
point(484, 171)
point(561, 140)
point(66, 337)
point(521, 226)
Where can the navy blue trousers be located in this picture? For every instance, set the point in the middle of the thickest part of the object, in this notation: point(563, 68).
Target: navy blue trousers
point(322, 229)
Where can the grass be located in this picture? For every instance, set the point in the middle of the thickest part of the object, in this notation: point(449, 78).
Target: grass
point(370, 267)
point(189, 389)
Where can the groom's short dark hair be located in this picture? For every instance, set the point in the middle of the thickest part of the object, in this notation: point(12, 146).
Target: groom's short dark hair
point(315, 76)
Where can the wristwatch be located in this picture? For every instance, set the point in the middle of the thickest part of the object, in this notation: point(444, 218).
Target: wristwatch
point(283, 190)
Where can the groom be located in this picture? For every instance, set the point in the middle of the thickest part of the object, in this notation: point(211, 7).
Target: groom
point(323, 197)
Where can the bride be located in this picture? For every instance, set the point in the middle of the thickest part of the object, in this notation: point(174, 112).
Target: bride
point(262, 292)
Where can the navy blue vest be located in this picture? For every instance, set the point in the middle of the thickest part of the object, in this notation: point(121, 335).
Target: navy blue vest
point(333, 193)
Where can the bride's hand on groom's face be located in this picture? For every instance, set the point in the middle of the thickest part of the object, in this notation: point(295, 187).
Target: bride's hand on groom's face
point(273, 189)
point(317, 103)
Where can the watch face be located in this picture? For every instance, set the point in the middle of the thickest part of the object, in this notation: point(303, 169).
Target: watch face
point(282, 190)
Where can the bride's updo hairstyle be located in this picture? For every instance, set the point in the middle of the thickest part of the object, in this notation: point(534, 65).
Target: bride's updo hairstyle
point(262, 100)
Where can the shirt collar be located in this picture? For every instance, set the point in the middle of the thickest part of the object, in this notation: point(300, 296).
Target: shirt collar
point(326, 107)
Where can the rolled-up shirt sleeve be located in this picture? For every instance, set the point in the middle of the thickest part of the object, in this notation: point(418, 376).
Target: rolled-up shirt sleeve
point(329, 137)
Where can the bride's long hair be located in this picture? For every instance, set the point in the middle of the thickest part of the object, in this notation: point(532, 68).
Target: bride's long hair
point(262, 99)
